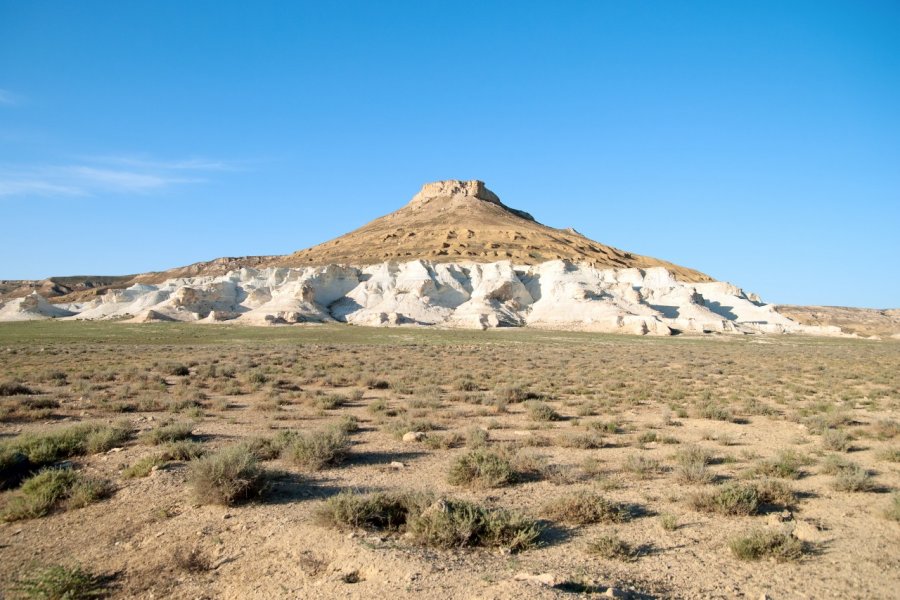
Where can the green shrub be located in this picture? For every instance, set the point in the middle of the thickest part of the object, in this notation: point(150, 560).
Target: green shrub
point(456, 523)
point(734, 499)
point(786, 464)
point(893, 510)
point(143, 466)
point(611, 547)
point(583, 441)
point(481, 468)
point(53, 489)
point(171, 432)
point(229, 476)
point(31, 451)
point(693, 465)
point(761, 543)
point(330, 401)
point(57, 582)
point(318, 449)
point(14, 388)
point(510, 394)
point(176, 369)
point(541, 411)
point(848, 476)
point(442, 523)
point(836, 439)
point(641, 466)
point(381, 512)
point(714, 411)
point(183, 450)
point(729, 499)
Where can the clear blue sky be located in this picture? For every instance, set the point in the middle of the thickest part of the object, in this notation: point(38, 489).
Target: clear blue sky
point(756, 141)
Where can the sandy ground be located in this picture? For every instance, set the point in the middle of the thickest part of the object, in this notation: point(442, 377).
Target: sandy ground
point(275, 547)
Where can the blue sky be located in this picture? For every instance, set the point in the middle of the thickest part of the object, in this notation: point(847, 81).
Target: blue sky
point(756, 141)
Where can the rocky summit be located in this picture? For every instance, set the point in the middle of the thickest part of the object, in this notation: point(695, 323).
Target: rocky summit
point(454, 256)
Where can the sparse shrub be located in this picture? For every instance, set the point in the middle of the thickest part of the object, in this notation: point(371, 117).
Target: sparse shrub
point(183, 450)
point(641, 466)
point(734, 499)
point(229, 476)
point(171, 432)
point(330, 401)
point(14, 467)
point(583, 441)
point(456, 523)
point(381, 512)
point(318, 449)
point(378, 406)
point(836, 439)
point(14, 388)
point(482, 469)
point(611, 547)
point(668, 522)
point(53, 489)
point(143, 466)
point(893, 510)
point(443, 523)
point(886, 429)
point(437, 441)
point(541, 411)
point(583, 508)
point(648, 437)
point(848, 475)
point(762, 543)
point(176, 369)
point(693, 465)
point(399, 428)
point(57, 582)
point(37, 404)
point(512, 394)
point(606, 426)
point(714, 411)
point(476, 437)
point(466, 384)
point(43, 449)
point(889, 454)
point(192, 561)
point(729, 499)
point(102, 439)
point(348, 424)
point(786, 464)
point(257, 378)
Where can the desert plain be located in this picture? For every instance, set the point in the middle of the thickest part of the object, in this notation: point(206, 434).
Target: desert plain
point(331, 461)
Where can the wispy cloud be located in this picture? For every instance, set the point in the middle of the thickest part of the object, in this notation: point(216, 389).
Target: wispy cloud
point(100, 175)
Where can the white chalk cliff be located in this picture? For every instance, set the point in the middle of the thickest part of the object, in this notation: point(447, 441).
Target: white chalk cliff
point(555, 295)
point(453, 257)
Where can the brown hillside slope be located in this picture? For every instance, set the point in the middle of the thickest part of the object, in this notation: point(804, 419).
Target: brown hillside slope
point(447, 221)
point(863, 321)
point(453, 221)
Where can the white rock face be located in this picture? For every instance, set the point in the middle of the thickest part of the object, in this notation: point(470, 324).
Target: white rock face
point(31, 308)
point(552, 295)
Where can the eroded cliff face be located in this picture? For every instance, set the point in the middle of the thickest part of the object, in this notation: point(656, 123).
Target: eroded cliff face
point(555, 294)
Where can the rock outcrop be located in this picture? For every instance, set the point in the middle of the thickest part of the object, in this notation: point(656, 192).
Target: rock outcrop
point(556, 294)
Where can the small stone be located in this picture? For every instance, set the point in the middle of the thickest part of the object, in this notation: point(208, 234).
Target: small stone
point(396, 465)
point(413, 436)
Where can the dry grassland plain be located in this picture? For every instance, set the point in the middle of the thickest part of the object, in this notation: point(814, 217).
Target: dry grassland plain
point(172, 460)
